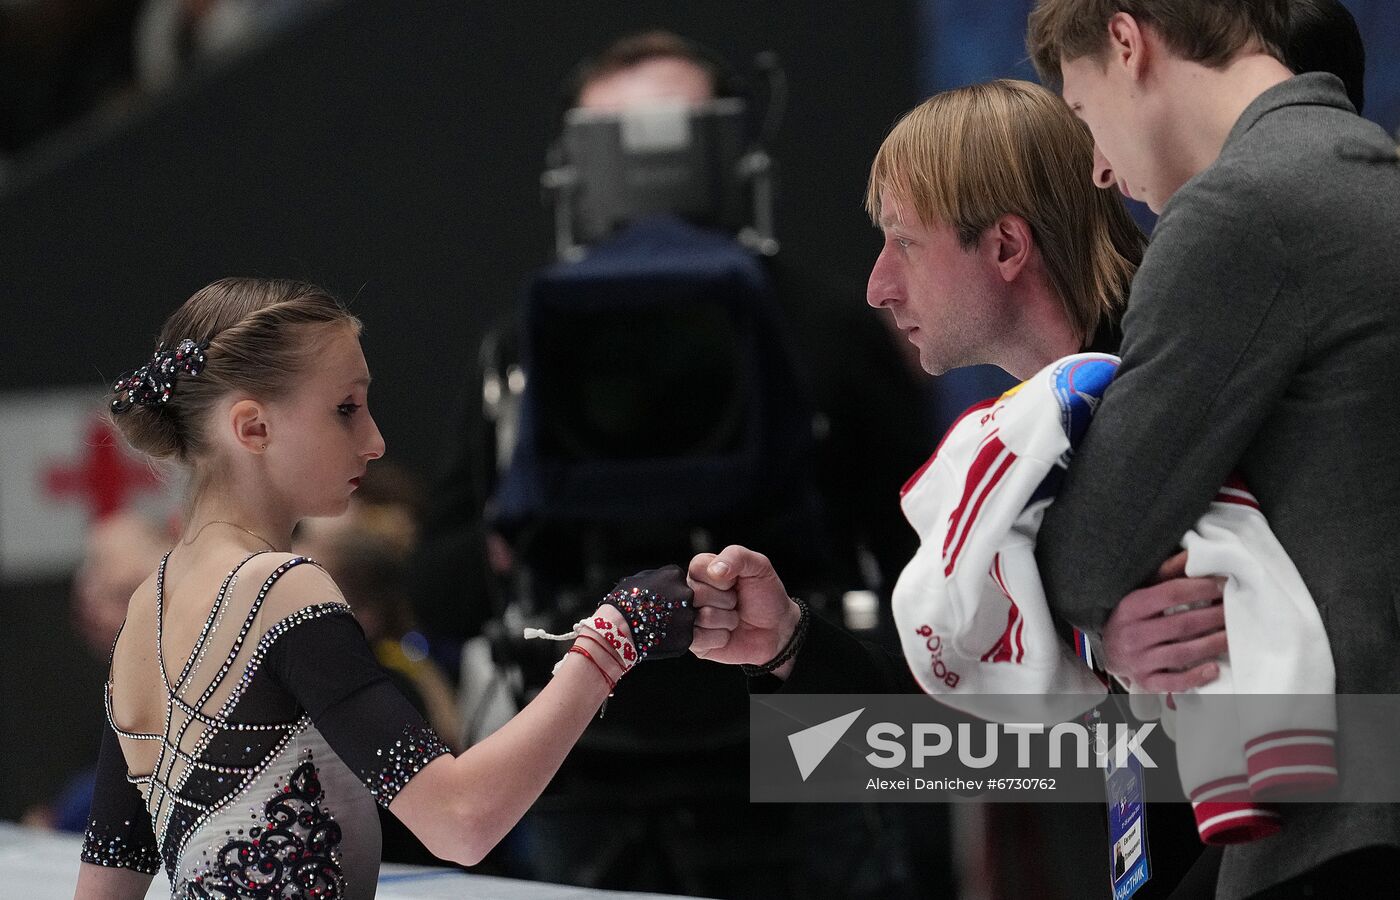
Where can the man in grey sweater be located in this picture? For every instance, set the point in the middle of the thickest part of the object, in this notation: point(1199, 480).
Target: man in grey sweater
point(1261, 337)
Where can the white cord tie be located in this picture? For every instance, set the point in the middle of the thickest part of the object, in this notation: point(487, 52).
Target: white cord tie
point(541, 633)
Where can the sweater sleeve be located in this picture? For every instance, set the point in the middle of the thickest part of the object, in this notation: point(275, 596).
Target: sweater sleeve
point(1210, 344)
point(832, 661)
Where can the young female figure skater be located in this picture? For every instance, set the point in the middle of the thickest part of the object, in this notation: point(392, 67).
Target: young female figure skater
point(250, 731)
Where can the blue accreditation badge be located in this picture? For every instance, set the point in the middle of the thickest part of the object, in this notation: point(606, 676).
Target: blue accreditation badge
point(1129, 866)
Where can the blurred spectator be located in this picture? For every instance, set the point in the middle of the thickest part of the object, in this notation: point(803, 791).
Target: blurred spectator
point(871, 424)
point(1323, 37)
point(366, 550)
point(171, 35)
point(122, 551)
point(61, 60)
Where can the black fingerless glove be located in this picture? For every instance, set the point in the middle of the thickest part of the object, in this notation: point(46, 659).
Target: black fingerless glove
point(659, 608)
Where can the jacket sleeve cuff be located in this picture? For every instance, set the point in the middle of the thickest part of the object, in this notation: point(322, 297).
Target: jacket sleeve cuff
point(832, 661)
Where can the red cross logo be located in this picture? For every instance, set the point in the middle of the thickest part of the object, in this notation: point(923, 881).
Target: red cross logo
point(104, 478)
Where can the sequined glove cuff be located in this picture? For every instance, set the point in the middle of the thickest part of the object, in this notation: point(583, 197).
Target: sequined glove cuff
point(659, 609)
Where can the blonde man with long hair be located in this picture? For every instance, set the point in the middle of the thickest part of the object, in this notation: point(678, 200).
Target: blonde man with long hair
point(988, 171)
point(997, 250)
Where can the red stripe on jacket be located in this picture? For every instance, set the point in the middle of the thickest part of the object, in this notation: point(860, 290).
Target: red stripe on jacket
point(919, 473)
point(991, 448)
point(990, 485)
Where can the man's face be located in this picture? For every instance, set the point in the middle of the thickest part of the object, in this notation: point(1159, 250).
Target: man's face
point(1125, 156)
point(944, 298)
point(651, 82)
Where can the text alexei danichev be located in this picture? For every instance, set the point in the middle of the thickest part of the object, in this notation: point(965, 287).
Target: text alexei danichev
point(925, 784)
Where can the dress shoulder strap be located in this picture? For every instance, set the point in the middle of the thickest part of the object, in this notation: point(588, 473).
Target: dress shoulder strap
point(214, 611)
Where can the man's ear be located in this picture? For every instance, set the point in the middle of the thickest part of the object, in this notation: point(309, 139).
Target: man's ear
point(1010, 244)
point(1128, 46)
point(248, 419)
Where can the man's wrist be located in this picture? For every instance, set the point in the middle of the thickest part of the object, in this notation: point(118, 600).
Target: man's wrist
point(789, 628)
point(792, 619)
point(791, 632)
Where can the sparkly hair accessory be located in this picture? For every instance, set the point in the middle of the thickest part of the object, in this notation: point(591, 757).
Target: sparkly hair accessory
point(153, 383)
point(657, 606)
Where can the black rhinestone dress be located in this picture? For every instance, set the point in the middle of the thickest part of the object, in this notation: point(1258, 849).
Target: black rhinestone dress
point(281, 733)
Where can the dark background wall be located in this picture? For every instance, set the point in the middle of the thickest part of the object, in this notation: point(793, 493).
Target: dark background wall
point(392, 152)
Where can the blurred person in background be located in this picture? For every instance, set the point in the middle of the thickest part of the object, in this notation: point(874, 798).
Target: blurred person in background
point(121, 551)
point(1323, 37)
point(65, 60)
point(367, 550)
point(172, 36)
point(870, 418)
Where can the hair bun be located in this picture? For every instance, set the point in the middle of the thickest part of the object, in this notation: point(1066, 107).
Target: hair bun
point(149, 429)
point(253, 331)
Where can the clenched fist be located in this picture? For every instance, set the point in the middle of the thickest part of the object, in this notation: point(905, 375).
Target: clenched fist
point(743, 613)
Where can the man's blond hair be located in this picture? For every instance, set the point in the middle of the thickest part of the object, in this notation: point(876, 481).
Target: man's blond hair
point(969, 156)
point(1209, 32)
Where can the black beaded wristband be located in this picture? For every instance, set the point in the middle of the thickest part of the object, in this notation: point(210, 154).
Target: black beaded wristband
point(793, 645)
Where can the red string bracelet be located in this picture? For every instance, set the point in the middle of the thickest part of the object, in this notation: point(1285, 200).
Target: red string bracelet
point(613, 654)
point(589, 656)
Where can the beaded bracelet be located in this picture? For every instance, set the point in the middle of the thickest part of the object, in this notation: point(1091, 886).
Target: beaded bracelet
point(793, 645)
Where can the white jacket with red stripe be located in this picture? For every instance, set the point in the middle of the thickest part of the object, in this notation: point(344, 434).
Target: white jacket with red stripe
point(974, 623)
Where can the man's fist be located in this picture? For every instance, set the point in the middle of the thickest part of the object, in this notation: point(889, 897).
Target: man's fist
point(743, 612)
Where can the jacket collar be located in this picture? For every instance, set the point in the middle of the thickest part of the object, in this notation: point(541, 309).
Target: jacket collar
point(1311, 89)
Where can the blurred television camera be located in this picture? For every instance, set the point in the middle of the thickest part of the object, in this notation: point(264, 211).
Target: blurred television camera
point(645, 400)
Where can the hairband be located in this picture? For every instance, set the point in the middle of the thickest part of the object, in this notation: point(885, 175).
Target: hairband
point(153, 383)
